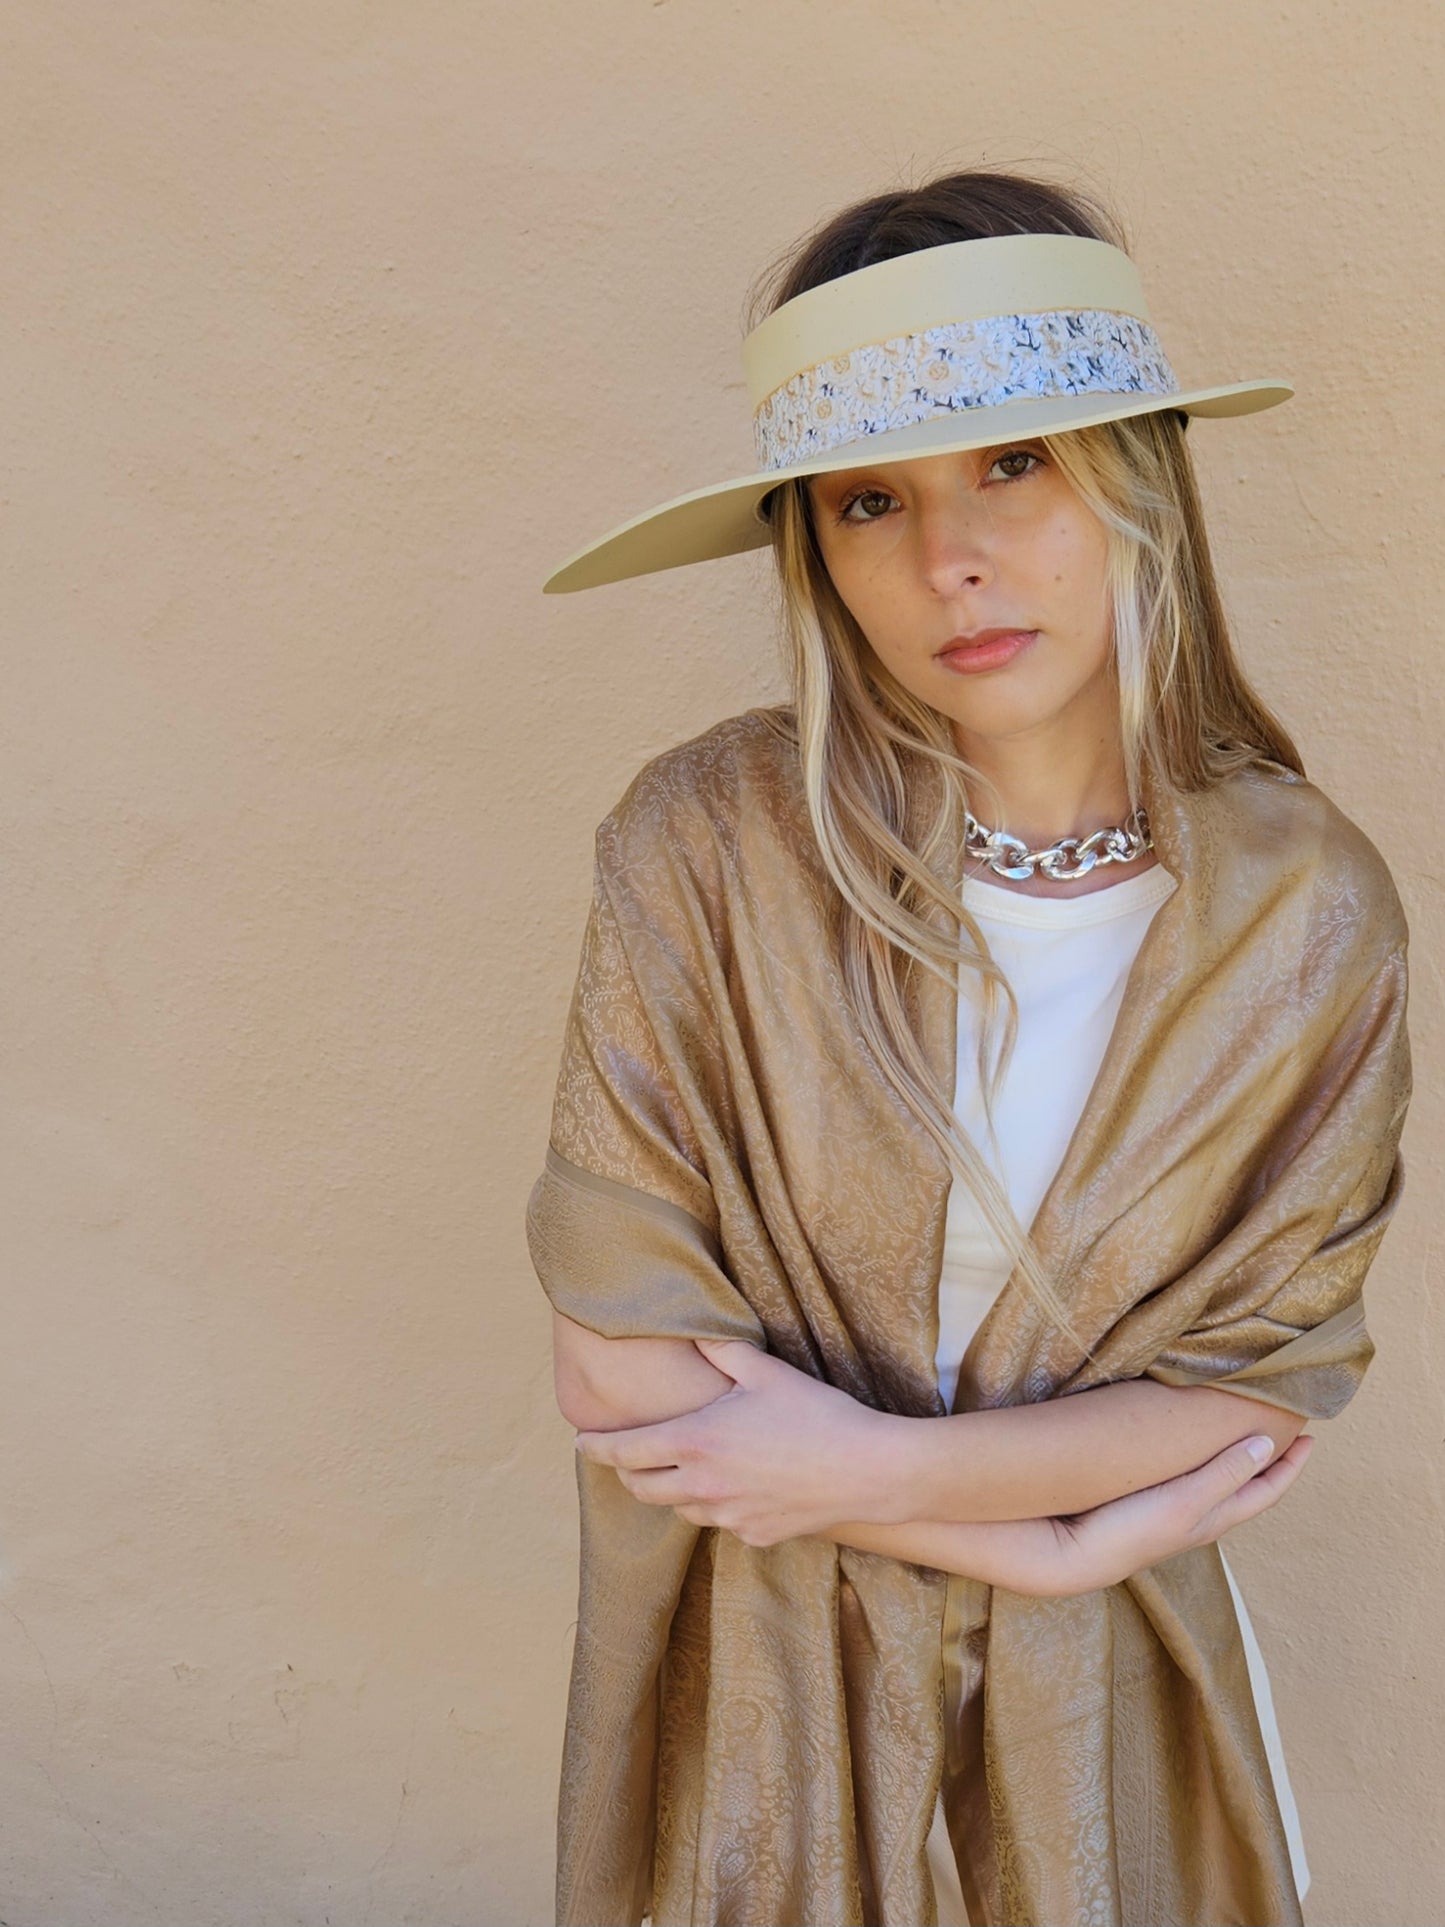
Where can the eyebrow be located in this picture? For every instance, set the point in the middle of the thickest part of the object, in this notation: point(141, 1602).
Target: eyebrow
point(841, 476)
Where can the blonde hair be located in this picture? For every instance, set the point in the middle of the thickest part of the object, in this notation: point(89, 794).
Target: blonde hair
point(867, 747)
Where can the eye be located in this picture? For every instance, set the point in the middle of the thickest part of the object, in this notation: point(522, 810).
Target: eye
point(870, 492)
point(1017, 455)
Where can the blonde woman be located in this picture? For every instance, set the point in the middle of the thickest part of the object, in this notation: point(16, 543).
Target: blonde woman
point(979, 1106)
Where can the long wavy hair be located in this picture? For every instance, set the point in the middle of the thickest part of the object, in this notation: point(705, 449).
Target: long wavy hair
point(873, 754)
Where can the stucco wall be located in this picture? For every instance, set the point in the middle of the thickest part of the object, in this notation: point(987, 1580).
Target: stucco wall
point(328, 329)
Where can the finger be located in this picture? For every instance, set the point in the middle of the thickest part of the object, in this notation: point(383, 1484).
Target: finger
point(696, 1515)
point(1258, 1494)
point(1269, 1486)
point(1221, 1477)
point(635, 1448)
point(735, 1356)
point(666, 1486)
point(1193, 1499)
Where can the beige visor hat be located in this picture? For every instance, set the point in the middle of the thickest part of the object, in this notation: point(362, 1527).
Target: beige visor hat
point(961, 346)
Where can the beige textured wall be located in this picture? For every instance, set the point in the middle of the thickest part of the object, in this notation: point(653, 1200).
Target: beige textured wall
point(326, 329)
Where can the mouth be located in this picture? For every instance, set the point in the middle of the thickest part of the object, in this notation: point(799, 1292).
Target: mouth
point(985, 649)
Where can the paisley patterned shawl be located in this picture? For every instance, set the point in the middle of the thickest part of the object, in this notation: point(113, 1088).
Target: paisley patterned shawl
point(754, 1734)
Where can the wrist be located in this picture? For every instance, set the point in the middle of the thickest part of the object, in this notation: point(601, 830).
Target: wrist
point(892, 1481)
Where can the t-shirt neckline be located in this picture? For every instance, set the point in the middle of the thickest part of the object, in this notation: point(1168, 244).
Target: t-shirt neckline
point(995, 903)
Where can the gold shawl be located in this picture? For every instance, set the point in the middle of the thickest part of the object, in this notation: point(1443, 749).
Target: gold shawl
point(755, 1734)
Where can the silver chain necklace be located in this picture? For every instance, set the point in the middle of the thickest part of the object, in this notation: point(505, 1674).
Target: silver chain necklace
point(1071, 856)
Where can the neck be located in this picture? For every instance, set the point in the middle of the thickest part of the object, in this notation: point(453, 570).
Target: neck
point(1046, 789)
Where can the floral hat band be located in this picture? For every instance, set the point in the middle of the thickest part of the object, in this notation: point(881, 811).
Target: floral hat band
point(959, 364)
point(943, 349)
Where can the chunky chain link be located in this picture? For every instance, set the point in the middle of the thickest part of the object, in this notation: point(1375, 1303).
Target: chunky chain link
point(1071, 856)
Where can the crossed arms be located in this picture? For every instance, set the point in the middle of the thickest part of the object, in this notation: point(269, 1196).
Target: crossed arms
point(1050, 1498)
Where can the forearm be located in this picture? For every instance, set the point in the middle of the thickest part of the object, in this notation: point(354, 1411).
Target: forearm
point(972, 1551)
point(1063, 1455)
point(1056, 1558)
point(608, 1384)
point(1054, 1459)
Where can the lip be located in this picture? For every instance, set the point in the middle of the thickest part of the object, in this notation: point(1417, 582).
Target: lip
point(985, 649)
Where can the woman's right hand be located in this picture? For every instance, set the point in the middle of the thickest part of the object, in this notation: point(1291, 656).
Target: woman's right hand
point(1108, 1543)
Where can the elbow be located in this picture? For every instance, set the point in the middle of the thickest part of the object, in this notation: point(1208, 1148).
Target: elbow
point(1284, 1428)
point(601, 1392)
point(581, 1402)
point(585, 1375)
point(1277, 1421)
point(608, 1384)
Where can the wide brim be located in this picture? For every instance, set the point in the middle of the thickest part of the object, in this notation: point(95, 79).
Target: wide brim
point(723, 519)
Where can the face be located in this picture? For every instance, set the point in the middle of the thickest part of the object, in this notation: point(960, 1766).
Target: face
point(942, 546)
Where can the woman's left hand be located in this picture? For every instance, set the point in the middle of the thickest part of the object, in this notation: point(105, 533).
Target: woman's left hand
point(1123, 1536)
point(778, 1455)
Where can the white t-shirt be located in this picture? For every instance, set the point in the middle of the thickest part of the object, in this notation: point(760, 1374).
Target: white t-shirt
point(1067, 960)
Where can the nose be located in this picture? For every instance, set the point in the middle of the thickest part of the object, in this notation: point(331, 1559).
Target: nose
point(955, 544)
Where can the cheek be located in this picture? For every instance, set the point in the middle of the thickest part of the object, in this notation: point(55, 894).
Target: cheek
point(1076, 570)
point(872, 597)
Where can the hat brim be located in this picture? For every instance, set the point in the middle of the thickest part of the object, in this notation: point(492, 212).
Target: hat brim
point(723, 518)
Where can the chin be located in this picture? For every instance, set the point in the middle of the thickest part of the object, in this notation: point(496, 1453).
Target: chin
point(1004, 718)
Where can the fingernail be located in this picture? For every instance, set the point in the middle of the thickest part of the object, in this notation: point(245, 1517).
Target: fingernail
point(1259, 1447)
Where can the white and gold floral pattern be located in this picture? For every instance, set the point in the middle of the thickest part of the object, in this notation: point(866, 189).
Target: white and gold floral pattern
point(957, 365)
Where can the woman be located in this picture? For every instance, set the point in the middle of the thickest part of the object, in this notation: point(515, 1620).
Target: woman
point(900, 1589)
